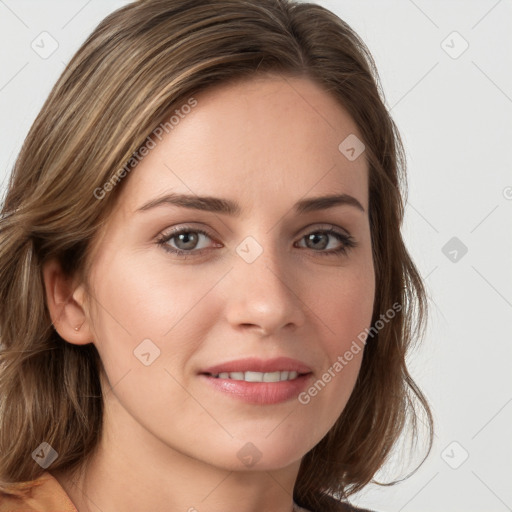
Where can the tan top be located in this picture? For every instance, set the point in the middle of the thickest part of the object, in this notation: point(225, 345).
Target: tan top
point(46, 495)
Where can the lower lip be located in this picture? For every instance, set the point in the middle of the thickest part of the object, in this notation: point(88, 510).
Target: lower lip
point(260, 393)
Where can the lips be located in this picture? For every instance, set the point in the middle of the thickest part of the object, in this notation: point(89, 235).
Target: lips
point(257, 381)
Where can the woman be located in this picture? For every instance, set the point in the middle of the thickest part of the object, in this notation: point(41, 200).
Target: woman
point(211, 302)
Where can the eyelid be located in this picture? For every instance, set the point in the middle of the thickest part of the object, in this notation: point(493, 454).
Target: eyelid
point(321, 226)
point(192, 226)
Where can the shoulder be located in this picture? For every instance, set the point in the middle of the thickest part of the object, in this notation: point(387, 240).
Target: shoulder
point(333, 505)
point(41, 495)
point(351, 508)
point(347, 507)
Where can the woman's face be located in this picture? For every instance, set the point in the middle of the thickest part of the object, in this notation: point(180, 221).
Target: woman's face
point(264, 289)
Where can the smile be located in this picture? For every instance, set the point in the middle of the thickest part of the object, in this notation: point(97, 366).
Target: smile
point(277, 376)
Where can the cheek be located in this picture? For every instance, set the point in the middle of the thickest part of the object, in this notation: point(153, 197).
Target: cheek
point(138, 296)
point(138, 300)
point(345, 310)
point(345, 304)
point(148, 322)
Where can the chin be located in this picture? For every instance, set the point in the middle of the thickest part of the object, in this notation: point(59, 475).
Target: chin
point(263, 452)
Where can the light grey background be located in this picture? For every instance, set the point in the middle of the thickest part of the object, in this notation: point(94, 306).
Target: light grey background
point(454, 111)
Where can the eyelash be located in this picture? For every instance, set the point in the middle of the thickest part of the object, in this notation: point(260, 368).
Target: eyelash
point(348, 242)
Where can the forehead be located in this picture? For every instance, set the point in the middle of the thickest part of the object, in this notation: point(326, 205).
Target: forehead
point(262, 141)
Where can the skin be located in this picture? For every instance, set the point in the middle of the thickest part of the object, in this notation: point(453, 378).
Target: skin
point(170, 441)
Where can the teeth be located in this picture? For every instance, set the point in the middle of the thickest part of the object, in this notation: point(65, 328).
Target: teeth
point(272, 377)
point(258, 376)
point(253, 377)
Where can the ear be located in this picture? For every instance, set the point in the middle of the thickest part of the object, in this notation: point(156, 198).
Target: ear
point(66, 305)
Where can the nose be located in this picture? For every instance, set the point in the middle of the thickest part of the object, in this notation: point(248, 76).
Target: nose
point(264, 295)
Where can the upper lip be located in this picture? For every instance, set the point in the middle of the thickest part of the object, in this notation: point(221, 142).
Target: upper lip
point(253, 364)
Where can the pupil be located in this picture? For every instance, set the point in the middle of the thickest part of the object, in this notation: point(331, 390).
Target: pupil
point(187, 238)
point(315, 236)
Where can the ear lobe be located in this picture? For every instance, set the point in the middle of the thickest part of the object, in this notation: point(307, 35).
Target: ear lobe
point(66, 305)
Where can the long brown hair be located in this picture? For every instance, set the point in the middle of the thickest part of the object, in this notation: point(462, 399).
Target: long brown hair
point(141, 63)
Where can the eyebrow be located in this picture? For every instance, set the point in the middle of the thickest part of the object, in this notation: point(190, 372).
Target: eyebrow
point(229, 207)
